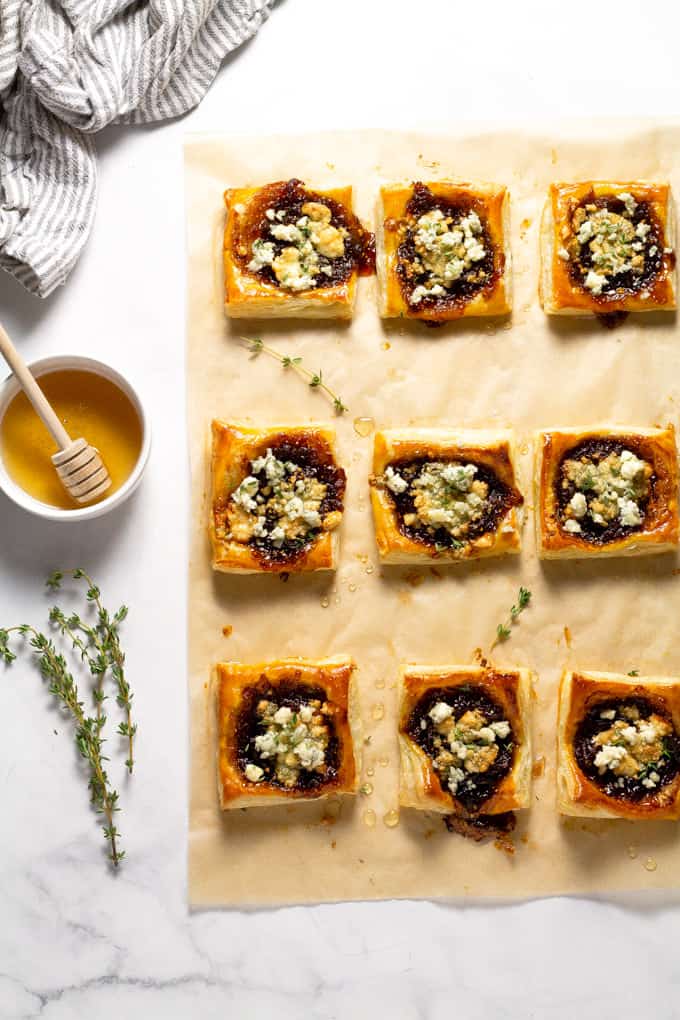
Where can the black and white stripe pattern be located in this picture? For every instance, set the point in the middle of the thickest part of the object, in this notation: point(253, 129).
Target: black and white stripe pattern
point(67, 69)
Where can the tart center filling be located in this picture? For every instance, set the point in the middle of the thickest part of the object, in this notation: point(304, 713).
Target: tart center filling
point(287, 738)
point(299, 240)
point(603, 490)
point(447, 502)
point(445, 254)
point(612, 244)
point(307, 246)
point(283, 504)
point(628, 747)
point(468, 740)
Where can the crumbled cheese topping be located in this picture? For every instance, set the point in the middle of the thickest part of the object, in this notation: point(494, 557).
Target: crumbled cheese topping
point(632, 747)
point(445, 495)
point(605, 244)
point(253, 773)
point(394, 481)
point(311, 241)
point(606, 490)
point(448, 248)
point(291, 741)
point(282, 504)
point(465, 746)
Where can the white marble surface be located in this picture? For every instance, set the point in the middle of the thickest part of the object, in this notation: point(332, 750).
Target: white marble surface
point(76, 942)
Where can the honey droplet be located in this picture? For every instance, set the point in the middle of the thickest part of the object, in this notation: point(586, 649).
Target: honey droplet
point(632, 851)
point(370, 772)
point(380, 684)
point(524, 448)
point(378, 711)
point(650, 864)
point(391, 819)
point(386, 345)
point(363, 426)
point(227, 630)
point(369, 568)
point(362, 557)
point(336, 600)
point(383, 762)
point(369, 818)
point(325, 602)
point(367, 789)
point(352, 586)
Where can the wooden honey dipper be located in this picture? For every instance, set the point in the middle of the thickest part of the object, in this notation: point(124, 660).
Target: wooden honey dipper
point(79, 465)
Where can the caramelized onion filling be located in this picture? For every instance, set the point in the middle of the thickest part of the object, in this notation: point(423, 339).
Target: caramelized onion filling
point(628, 747)
point(446, 255)
point(470, 743)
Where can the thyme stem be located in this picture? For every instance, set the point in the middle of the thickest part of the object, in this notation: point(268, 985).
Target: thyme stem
point(104, 638)
point(314, 379)
point(504, 630)
point(88, 738)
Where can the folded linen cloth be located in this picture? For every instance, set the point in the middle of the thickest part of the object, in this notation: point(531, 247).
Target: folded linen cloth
point(67, 69)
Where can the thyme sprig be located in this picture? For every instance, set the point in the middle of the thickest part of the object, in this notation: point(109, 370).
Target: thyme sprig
point(314, 380)
point(88, 729)
point(504, 630)
point(101, 649)
point(97, 644)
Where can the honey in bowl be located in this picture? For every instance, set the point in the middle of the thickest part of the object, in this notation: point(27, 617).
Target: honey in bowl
point(88, 405)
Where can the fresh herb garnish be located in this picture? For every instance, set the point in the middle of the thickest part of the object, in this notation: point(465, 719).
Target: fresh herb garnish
point(634, 672)
point(98, 645)
point(504, 630)
point(314, 379)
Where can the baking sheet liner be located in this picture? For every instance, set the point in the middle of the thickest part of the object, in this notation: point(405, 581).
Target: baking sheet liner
point(525, 372)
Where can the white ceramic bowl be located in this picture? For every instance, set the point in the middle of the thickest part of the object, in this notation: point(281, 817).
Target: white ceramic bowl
point(10, 387)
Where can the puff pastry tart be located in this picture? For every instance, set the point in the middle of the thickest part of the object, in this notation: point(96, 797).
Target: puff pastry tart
point(444, 493)
point(277, 499)
point(607, 247)
point(443, 250)
point(607, 492)
point(464, 739)
point(618, 751)
point(290, 251)
point(287, 730)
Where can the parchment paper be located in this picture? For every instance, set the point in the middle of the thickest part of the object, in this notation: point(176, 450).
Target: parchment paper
point(527, 372)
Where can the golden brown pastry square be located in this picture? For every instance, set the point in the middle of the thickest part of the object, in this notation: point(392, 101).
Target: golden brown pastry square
point(618, 746)
point(443, 250)
point(465, 739)
point(448, 494)
point(607, 247)
point(288, 730)
point(277, 498)
point(606, 492)
point(293, 251)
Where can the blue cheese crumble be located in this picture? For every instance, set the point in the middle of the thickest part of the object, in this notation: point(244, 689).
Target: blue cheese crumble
point(445, 495)
point(607, 491)
point(631, 747)
point(465, 746)
point(605, 244)
point(292, 741)
point(299, 265)
point(447, 249)
point(284, 507)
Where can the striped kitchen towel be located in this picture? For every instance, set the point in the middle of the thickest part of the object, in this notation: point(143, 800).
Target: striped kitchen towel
point(67, 69)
